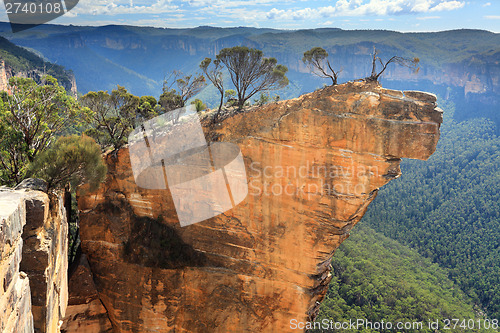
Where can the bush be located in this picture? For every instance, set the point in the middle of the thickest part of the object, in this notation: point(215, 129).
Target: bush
point(263, 99)
point(200, 106)
point(72, 159)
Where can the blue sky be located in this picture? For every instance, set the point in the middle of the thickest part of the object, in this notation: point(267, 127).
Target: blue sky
point(400, 15)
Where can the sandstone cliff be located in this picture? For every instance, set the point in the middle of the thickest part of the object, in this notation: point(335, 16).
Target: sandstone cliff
point(6, 72)
point(313, 165)
point(33, 261)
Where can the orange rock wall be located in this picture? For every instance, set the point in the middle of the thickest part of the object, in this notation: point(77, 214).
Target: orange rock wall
point(314, 164)
point(85, 312)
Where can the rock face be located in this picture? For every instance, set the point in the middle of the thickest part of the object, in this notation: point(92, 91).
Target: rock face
point(45, 259)
point(33, 267)
point(15, 296)
point(85, 312)
point(314, 164)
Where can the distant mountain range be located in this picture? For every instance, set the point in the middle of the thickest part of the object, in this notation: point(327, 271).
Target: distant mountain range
point(459, 64)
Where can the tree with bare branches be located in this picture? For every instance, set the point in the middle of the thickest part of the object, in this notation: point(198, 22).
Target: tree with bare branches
point(376, 60)
point(317, 61)
point(214, 74)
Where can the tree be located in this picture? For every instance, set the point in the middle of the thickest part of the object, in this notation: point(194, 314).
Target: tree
point(73, 159)
point(317, 61)
point(215, 76)
point(170, 100)
point(263, 99)
point(29, 120)
point(200, 106)
point(187, 87)
point(251, 73)
point(410, 63)
point(148, 107)
point(113, 116)
point(230, 97)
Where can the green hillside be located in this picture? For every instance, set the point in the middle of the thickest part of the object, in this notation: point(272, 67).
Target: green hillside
point(447, 208)
point(377, 278)
point(20, 60)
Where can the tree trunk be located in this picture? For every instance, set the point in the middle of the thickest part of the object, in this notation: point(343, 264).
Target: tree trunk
point(221, 102)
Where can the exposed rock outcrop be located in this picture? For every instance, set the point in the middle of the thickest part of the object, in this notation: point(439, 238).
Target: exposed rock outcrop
point(85, 312)
point(34, 254)
point(314, 164)
point(15, 296)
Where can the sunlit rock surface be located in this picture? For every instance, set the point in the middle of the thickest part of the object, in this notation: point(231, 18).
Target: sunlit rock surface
point(313, 166)
point(33, 261)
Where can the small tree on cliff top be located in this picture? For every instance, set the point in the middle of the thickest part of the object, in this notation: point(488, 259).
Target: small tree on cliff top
point(317, 61)
point(376, 73)
point(251, 73)
point(215, 76)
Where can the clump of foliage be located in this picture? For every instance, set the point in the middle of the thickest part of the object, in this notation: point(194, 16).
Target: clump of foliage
point(71, 160)
point(265, 98)
point(377, 72)
point(200, 106)
point(148, 107)
point(317, 61)
point(113, 116)
point(231, 97)
point(170, 100)
point(29, 119)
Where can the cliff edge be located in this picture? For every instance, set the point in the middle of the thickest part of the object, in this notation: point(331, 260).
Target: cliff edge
point(313, 165)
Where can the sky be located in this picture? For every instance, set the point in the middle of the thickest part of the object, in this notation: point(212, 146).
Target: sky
point(399, 15)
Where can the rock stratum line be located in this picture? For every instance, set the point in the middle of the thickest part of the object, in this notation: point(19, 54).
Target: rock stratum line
point(267, 261)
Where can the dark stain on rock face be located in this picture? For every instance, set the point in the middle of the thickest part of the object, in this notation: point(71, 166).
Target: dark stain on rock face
point(154, 244)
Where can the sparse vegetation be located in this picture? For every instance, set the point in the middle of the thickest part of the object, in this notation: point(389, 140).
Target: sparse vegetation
point(200, 106)
point(187, 87)
point(215, 76)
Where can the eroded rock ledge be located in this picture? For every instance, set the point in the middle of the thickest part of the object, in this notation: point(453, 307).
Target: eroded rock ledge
point(267, 261)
